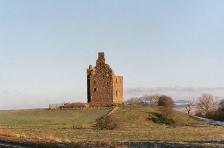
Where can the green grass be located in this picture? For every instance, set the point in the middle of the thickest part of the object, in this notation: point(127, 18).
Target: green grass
point(130, 117)
point(44, 118)
point(133, 125)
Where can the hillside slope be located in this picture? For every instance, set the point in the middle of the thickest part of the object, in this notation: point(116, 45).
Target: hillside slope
point(78, 125)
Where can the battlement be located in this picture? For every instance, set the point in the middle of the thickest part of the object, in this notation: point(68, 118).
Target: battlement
point(101, 55)
point(101, 59)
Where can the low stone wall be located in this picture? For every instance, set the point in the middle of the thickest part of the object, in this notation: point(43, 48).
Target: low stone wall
point(68, 106)
point(74, 106)
point(81, 106)
point(54, 106)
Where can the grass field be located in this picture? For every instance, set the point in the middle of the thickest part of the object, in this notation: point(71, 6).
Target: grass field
point(77, 126)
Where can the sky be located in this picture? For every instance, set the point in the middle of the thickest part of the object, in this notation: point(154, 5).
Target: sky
point(46, 46)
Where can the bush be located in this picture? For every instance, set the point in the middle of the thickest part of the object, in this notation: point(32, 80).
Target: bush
point(221, 104)
point(161, 119)
point(212, 111)
point(105, 123)
point(165, 101)
point(217, 115)
point(168, 105)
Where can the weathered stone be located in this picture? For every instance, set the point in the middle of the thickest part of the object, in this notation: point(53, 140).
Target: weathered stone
point(103, 86)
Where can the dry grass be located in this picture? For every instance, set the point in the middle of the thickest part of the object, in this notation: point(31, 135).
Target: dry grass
point(77, 126)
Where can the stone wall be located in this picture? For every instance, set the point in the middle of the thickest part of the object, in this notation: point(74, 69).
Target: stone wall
point(103, 86)
point(118, 89)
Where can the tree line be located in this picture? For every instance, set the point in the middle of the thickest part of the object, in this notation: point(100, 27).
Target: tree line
point(205, 105)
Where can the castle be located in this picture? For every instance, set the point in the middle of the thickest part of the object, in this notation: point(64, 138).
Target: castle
point(104, 88)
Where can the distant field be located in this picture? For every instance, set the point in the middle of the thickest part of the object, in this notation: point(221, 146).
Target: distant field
point(77, 126)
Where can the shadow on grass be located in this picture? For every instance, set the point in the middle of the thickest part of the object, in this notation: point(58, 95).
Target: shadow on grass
point(160, 118)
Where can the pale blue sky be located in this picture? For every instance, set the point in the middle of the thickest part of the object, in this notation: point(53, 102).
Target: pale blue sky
point(46, 45)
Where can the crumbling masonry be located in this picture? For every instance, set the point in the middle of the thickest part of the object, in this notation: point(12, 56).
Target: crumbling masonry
point(104, 88)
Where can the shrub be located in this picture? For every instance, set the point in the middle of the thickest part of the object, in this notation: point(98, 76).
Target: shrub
point(168, 105)
point(161, 119)
point(105, 122)
point(221, 104)
point(165, 100)
point(216, 115)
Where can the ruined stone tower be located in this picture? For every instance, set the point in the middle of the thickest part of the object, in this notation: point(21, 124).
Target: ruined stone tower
point(103, 86)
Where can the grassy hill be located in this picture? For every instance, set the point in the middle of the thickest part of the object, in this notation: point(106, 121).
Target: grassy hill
point(78, 125)
point(45, 119)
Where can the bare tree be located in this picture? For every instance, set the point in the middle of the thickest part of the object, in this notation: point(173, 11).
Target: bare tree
point(206, 104)
point(151, 99)
point(133, 100)
point(189, 106)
